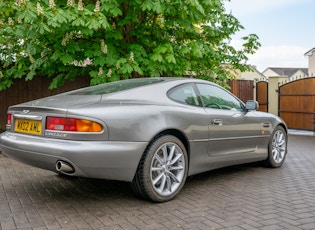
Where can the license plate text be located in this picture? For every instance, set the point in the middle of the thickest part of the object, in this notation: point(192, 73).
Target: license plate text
point(28, 126)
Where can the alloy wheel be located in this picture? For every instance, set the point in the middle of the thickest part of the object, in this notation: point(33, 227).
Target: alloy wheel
point(167, 169)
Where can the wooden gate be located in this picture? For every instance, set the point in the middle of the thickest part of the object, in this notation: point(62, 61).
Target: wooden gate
point(297, 103)
point(243, 89)
point(262, 95)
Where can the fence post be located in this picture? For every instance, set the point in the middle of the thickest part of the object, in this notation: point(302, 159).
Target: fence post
point(273, 99)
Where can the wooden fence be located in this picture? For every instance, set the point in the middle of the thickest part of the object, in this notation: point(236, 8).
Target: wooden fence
point(243, 89)
point(22, 91)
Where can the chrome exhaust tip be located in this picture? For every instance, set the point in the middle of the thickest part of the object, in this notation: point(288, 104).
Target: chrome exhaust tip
point(64, 167)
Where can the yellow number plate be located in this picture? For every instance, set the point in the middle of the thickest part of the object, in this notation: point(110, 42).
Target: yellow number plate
point(28, 126)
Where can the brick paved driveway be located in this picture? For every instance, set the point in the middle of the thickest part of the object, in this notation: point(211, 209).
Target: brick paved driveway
point(239, 197)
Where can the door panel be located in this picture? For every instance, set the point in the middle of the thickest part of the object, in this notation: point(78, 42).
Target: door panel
point(232, 130)
point(238, 132)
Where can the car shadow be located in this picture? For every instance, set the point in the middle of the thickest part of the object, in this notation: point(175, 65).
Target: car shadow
point(74, 190)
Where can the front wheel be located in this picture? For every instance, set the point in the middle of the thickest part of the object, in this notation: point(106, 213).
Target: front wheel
point(162, 171)
point(277, 149)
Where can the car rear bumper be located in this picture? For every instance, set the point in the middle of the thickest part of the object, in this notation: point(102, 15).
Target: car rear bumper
point(95, 159)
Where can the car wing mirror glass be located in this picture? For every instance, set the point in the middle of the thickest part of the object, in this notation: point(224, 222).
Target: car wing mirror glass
point(251, 105)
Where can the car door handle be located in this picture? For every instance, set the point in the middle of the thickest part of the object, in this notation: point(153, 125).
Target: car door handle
point(216, 122)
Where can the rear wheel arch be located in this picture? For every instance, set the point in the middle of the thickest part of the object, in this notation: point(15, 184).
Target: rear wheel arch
point(176, 133)
point(173, 132)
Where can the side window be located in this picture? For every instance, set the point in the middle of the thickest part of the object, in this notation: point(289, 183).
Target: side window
point(184, 94)
point(217, 98)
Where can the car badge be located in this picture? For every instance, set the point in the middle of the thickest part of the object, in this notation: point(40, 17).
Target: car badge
point(26, 111)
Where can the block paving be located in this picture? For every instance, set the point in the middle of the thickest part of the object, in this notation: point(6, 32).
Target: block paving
point(240, 197)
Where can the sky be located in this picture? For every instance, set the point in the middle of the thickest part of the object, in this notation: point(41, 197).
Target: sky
point(286, 30)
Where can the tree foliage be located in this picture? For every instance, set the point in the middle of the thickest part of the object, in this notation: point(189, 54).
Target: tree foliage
point(117, 39)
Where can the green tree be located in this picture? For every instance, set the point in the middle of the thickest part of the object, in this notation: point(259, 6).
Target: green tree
point(117, 39)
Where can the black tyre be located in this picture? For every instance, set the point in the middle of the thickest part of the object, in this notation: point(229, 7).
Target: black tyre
point(162, 170)
point(277, 149)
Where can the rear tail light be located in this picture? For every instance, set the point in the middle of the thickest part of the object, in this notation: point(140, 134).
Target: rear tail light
point(72, 125)
point(9, 120)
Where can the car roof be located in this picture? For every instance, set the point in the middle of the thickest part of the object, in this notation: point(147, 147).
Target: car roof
point(134, 84)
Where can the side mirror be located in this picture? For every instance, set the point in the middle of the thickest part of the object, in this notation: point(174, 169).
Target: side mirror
point(251, 105)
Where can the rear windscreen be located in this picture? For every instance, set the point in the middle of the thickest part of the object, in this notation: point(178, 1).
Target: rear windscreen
point(116, 86)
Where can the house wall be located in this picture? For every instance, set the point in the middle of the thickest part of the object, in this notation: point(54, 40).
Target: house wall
point(248, 75)
point(252, 76)
point(269, 73)
point(298, 74)
point(311, 64)
point(236, 74)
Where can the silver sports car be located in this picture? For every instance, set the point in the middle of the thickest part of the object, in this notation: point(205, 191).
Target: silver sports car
point(152, 132)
